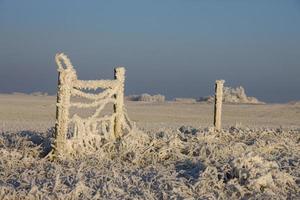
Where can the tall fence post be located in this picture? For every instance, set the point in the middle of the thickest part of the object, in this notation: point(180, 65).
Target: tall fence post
point(119, 105)
point(66, 76)
point(218, 104)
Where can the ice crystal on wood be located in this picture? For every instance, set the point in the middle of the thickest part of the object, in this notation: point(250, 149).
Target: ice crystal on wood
point(88, 132)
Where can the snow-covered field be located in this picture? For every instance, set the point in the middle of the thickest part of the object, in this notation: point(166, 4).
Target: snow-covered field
point(176, 155)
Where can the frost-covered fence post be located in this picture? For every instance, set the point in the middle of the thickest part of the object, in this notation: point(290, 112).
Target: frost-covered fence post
point(119, 105)
point(66, 77)
point(218, 104)
point(74, 132)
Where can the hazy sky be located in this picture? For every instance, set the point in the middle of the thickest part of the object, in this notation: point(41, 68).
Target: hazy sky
point(174, 47)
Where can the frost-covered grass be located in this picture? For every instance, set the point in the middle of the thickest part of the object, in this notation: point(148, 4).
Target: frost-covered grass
point(237, 163)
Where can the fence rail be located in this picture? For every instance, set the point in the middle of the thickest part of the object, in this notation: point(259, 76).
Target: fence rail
point(86, 130)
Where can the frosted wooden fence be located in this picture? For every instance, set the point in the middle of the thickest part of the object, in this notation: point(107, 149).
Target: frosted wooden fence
point(90, 131)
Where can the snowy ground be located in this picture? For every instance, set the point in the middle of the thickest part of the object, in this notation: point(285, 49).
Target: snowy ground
point(177, 156)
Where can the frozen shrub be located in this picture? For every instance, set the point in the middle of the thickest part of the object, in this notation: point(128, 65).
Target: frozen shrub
point(39, 94)
point(233, 95)
point(163, 164)
point(209, 99)
point(152, 98)
point(185, 100)
point(18, 93)
point(238, 95)
point(188, 130)
point(132, 97)
point(295, 103)
point(146, 98)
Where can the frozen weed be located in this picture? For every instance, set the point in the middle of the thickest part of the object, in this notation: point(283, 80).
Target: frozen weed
point(167, 164)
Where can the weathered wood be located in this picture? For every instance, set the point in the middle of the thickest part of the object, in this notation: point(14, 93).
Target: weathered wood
point(119, 105)
point(218, 104)
point(62, 109)
point(85, 128)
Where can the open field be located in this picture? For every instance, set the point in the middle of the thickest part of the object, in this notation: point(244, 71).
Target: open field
point(177, 156)
point(25, 112)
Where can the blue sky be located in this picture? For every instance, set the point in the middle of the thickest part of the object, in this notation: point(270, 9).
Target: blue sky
point(174, 47)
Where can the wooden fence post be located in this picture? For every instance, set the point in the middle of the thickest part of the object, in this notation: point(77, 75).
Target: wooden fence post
point(119, 105)
point(66, 77)
point(218, 104)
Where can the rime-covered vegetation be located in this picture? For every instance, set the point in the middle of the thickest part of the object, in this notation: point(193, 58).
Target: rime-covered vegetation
point(238, 95)
point(188, 163)
point(146, 98)
point(185, 100)
point(233, 95)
